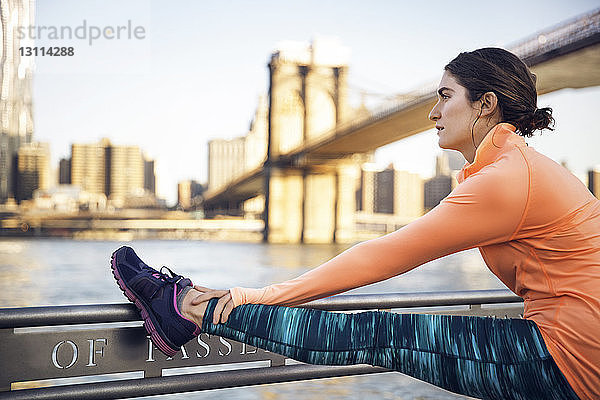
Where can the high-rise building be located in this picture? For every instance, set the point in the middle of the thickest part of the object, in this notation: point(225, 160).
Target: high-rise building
point(440, 186)
point(184, 194)
point(455, 160)
point(33, 170)
point(125, 168)
point(408, 194)
point(384, 191)
point(149, 176)
point(226, 161)
point(189, 194)
point(64, 171)
point(197, 189)
point(436, 189)
point(16, 120)
point(594, 181)
point(256, 139)
point(365, 192)
point(116, 171)
point(442, 164)
point(88, 166)
point(390, 191)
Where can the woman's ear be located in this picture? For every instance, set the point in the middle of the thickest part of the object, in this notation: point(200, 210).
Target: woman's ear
point(488, 104)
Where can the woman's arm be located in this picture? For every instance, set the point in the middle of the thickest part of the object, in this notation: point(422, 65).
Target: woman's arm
point(485, 209)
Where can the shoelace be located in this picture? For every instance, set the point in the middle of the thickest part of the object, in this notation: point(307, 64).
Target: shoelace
point(165, 279)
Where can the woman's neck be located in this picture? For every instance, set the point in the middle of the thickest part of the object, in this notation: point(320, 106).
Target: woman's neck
point(479, 133)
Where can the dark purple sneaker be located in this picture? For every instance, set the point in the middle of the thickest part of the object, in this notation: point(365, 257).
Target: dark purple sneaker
point(155, 294)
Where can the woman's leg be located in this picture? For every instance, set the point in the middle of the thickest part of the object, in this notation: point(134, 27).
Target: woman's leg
point(480, 357)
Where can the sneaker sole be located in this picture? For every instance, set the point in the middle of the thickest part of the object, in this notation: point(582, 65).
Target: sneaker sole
point(156, 334)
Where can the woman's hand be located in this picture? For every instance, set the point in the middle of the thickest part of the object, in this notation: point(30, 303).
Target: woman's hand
point(224, 305)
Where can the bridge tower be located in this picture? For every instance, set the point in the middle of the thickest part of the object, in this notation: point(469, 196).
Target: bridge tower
point(307, 202)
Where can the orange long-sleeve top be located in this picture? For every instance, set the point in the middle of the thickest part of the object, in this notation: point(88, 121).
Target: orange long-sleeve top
point(537, 228)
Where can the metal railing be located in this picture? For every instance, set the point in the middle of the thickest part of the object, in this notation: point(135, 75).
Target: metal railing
point(46, 343)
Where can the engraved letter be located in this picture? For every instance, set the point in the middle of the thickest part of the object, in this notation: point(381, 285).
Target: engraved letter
point(91, 362)
point(227, 344)
point(150, 350)
point(184, 353)
point(245, 351)
point(204, 345)
point(55, 354)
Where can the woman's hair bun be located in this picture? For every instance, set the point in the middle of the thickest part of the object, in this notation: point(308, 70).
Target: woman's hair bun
point(540, 119)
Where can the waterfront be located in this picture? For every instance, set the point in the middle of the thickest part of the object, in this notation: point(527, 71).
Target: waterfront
point(57, 271)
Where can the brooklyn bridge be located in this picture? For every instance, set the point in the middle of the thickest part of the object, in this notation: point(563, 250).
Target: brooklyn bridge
point(306, 145)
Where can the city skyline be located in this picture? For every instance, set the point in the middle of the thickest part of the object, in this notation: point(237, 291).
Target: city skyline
point(211, 89)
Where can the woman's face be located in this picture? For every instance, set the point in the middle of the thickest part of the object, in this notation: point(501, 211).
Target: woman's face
point(454, 115)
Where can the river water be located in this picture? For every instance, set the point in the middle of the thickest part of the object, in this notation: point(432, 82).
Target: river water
point(36, 272)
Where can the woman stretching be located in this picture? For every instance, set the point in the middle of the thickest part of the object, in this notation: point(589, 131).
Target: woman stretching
point(535, 224)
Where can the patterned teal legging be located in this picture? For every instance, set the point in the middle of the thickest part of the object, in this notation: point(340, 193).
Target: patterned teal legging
point(476, 356)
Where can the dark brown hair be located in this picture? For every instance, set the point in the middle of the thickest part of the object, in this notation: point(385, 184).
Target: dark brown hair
point(499, 71)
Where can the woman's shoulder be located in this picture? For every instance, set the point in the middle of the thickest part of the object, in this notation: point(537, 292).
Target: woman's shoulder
point(501, 184)
point(551, 179)
point(554, 192)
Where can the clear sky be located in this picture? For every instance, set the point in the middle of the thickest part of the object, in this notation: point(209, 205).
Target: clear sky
point(200, 66)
